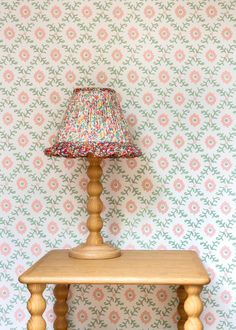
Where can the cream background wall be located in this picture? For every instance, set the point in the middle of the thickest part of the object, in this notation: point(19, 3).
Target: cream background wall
point(173, 64)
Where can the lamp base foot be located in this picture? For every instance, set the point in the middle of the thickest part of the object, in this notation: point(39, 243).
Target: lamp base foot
point(103, 251)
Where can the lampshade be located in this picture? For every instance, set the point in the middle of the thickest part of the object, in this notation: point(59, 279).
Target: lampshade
point(93, 124)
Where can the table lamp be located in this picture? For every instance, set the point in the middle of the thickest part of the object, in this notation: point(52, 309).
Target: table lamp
point(94, 127)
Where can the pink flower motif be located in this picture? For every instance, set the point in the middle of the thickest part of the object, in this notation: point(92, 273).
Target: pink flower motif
point(210, 98)
point(38, 163)
point(4, 292)
point(53, 184)
point(21, 227)
point(147, 185)
point(163, 120)
point(226, 120)
point(55, 55)
point(83, 184)
point(147, 141)
point(161, 295)
point(19, 315)
point(210, 142)
point(133, 33)
point(132, 120)
point(211, 11)
point(117, 55)
point(132, 163)
point(225, 208)
point(146, 229)
point(7, 163)
point(118, 12)
point(6, 205)
point(179, 98)
point(85, 55)
point(133, 76)
point(5, 249)
point(53, 227)
point(194, 164)
point(19, 270)
point(130, 295)
point(70, 76)
point(163, 163)
point(210, 230)
point(225, 252)
point(50, 316)
point(37, 205)
point(226, 164)
point(211, 55)
point(179, 185)
point(180, 11)
point(68, 206)
point(39, 119)
point(178, 230)
point(22, 183)
point(55, 97)
point(7, 118)
point(25, 11)
point(23, 140)
point(209, 318)
point(162, 207)
point(194, 208)
point(148, 55)
point(149, 12)
point(56, 12)
point(82, 316)
point(164, 33)
point(226, 77)
point(131, 206)
point(101, 77)
point(179, 56)
point(23, 98)
point(9, 33)
point(36, 249)
point(194, 119)
point(164, 76)
point(148, 98)
point(39, 76)
point(178, 141)
point(82, 228)
point(40, 33)
point(194, 77)
point(8, 76)
point(114, 228)
point(210, 185)
point(114, 317)
point(195, 33)
point(71, 33)
point(115, 185)
point(145, 317)
point(24, 55)
point(227, 33)
point(102, 34)
point(98, 294)
point(226, 297)
point(87, 11)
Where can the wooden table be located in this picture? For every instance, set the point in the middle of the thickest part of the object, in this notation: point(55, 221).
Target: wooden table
point(182, 268)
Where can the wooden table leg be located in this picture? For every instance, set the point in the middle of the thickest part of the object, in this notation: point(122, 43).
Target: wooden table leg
point(182, 295)
point(193, 307)
point(36, 306)
point(60, 306)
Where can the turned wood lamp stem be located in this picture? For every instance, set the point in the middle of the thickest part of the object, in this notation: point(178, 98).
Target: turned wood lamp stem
point(94, 247)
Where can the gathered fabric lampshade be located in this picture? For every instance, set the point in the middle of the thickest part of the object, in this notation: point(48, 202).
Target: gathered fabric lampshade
point(94, 127)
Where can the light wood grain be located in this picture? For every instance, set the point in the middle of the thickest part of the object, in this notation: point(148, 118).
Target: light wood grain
point(182, 295)
point(133, 267)
point(60, 307)
point(36, 306)
point(193, 307)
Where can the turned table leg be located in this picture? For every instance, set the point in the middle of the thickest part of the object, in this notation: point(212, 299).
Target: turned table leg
point(60, 306)
point(182, 295)
point(36, 306)
point(193, 307)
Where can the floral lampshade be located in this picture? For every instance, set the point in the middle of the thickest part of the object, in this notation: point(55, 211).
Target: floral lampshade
point(93, 124)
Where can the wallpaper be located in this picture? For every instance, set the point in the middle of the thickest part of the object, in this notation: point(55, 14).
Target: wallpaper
point(173, 65)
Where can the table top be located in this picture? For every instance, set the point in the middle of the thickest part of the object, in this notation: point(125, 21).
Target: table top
point(132, 267)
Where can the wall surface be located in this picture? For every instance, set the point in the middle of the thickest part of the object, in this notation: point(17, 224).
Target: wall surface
point(173, 64)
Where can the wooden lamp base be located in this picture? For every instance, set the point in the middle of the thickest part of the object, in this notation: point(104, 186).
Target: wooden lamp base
point(94, 248)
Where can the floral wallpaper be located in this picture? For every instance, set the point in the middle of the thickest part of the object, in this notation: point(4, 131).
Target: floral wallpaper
point(173, 65)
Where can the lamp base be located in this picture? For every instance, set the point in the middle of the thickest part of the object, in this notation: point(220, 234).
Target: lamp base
point(103, 251)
